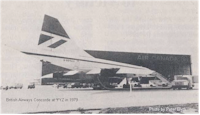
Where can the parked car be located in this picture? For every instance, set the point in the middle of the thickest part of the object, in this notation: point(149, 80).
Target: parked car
point(31, 86)
point(11, 87)
point(4, 87)
point(155, 83)
point(18, 86)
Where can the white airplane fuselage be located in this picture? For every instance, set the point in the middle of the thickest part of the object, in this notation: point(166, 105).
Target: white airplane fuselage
point(82, 63)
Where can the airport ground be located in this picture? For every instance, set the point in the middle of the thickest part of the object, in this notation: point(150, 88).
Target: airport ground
point(49, 99)
point(155, 109)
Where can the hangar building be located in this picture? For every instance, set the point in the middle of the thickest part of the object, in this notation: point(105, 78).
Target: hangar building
point(166, 64)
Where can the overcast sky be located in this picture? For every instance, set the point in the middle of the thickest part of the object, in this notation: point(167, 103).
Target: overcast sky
point(166, 27)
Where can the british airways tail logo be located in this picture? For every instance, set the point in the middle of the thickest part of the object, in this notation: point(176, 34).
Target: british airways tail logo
point(53, 26)
point(44, 38)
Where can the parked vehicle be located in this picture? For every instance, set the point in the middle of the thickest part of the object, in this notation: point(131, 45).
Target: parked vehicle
point(85, 85)
point(97, 86)
point(182, 81)
point(11, 87)
point(65, 86)
point(156, 83)
point(102, 86)
point(17, 86)
point(31, 86)
point(4, 87)
point(77, 85)
point(57, 85)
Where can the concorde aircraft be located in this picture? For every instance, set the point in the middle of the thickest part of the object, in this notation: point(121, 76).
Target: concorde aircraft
point(57, 48)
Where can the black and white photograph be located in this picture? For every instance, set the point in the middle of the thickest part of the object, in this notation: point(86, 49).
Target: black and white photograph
point(99, 57)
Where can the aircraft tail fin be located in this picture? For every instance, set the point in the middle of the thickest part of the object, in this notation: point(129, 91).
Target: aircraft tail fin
point(52, 25)
point(54, 38)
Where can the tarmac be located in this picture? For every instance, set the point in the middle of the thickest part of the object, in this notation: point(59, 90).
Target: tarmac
point(48, 98)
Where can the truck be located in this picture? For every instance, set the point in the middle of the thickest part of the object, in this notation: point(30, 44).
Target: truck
point(182, 81)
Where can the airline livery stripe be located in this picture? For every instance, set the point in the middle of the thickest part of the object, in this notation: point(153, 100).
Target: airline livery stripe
point(77, 59)
point(44, 38)
point(58, 43)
